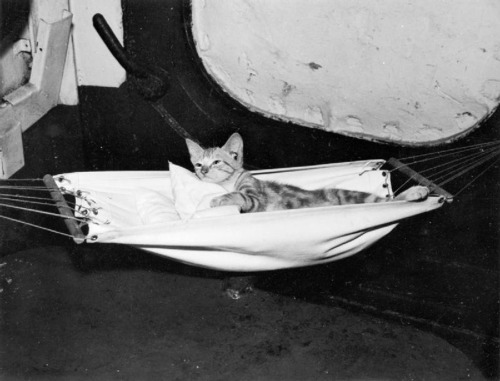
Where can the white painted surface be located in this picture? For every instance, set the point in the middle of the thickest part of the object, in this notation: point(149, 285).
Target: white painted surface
point(95, 65)
point(413, 72)
point(51, 11)
point(21, 108)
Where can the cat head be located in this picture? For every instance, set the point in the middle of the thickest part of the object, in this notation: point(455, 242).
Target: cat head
point(219, 164)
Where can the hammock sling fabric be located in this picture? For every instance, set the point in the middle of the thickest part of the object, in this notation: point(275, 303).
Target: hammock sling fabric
point(115, 208)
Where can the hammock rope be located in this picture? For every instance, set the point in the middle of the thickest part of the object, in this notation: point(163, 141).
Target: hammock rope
point(452, 172)
point(28, 188)
point(42, 212)
point(454, 167)
point(35, 203)
point(36, 226)
point(467, 169)
point(474, 179)
point(49, 202)
point(19, 200)
point(20, 196)
point(456, 163)
point(450, 151)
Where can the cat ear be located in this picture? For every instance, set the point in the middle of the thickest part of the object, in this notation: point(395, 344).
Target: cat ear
point(234, 146)
point(194, 149)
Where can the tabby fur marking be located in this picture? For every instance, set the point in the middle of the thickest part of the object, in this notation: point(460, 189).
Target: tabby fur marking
point(224, 166)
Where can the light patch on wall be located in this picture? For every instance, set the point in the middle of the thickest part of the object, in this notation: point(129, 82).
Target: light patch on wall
point(314, 114)
point(465, 120)
point(355, 124)
point(277, 105)
point(491, 89)
point(392, 130)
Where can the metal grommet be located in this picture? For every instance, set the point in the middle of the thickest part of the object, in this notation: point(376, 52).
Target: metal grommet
point(61, 179)
point(79, 193)
point(93, 238)
point(95, 211)
point(385, 185)
point(384, 173)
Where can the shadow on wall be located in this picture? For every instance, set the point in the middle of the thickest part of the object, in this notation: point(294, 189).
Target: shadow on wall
point(14, 65)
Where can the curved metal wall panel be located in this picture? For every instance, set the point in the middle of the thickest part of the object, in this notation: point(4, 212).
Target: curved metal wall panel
point(415, 72)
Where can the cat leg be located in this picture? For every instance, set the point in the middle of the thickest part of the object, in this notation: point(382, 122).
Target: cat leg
point(245, 202)
point(416, 193)
point(233, 198)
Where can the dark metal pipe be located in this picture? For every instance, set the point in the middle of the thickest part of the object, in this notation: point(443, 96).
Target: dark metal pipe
point(151, 83)
point(108, 37)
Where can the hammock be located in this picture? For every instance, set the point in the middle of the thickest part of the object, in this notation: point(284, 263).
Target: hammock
point(136, 208)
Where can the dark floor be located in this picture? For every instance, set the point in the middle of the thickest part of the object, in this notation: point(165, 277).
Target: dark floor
point(161, 321)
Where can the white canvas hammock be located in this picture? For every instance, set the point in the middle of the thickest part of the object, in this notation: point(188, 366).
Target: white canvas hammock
point(136, 208)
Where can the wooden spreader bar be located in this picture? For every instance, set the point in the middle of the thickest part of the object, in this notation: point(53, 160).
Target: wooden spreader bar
point(64, 209)
point(404, 169)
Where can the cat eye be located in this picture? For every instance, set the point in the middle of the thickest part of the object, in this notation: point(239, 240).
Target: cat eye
point(216, 162)
point(197, 165)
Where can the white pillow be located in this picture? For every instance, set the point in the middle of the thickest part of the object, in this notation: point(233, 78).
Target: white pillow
point(192, 196)
point(154, 207)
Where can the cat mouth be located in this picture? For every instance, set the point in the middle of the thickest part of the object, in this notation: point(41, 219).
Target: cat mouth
point(207, 178)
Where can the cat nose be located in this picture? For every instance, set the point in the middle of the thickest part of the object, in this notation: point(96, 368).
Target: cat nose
point(204, 170)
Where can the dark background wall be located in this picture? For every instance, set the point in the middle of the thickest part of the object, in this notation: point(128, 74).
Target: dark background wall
point(438, 271)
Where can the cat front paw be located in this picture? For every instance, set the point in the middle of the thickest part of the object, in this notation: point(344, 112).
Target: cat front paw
point(224, 200)
point(416, 193)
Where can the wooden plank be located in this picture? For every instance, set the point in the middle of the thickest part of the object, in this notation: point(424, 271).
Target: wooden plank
point(64, 209)
point(403, 168)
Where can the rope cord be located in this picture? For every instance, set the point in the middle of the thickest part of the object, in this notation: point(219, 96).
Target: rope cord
point(36, 188)
point(27, 199)
point(36, 226)
point(450, 161)
point(451, 151)
point(403, 185)
point(8, 180)
point(42, 212)
point(458, 163)
point(20, 196)
point(474, 179)
point(455, 167)
point(461, 159)
point(465, 167)
point(466, 170)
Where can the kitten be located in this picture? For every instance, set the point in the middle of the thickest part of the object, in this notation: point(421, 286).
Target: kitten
point(224, 166)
